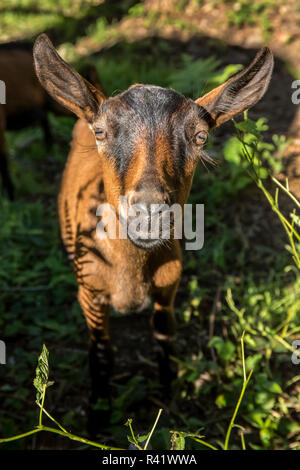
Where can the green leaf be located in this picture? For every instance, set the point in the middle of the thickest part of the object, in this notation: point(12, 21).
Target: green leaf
point(42, 373)
point(249, 127)
point(221, 401)
point(257, 417)
point(295, 218)
point(268, 385)
point(265, 400)
point(265, 435)
point(143, 438)
point(225, 349)
point(263, 173)
point(215, 341)
point(261, 124)
point(178, 441)
point(233, 151)
point(272, 387)
point(253, 361)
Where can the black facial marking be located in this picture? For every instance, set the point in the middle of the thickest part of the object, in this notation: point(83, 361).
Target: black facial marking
point(143, 111)
point(205, 116)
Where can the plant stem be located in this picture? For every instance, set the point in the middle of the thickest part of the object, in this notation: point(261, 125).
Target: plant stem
point(19, 436)
point(243, 441)
point(243, 355)
point(42, 406)
point(78, 438)
point(205, 444)
point(133, 436)
point(153, 427)
point(61, 433)
point(51, 417)
point(287, 191)
point(236, 410)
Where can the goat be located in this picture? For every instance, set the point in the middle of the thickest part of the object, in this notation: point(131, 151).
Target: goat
point(144, 144)
point(27, 102)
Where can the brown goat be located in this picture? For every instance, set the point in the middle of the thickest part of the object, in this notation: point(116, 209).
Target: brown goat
point(145, 144)
point(27, 102)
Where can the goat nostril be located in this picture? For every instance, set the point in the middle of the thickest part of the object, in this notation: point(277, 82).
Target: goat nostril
point(147, 201)
point(141, 207)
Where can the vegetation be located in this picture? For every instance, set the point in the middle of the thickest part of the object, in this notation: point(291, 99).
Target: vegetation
point(244, 283)
point(177, 438)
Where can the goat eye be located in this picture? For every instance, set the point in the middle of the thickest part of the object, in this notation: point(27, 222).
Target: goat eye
point(200, 138)
point(100, 134)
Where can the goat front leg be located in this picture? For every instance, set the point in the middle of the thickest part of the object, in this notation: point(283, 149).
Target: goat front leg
point(163, 323)
point(100, 357)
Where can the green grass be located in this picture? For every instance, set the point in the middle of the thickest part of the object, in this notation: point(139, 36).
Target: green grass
point(252, 13)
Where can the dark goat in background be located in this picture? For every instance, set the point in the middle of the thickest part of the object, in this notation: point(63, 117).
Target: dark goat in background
point(27, 102)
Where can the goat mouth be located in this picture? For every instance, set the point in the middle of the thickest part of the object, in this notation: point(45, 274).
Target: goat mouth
point(146, 236)
point(147, 243)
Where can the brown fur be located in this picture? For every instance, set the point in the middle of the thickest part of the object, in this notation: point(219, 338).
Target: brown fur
point(125, 284)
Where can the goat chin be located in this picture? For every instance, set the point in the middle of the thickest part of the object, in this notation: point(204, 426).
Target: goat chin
point(135, 306)
point(148, 243)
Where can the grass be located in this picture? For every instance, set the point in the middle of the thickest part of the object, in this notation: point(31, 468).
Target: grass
point(244, 279)
point(246, 12)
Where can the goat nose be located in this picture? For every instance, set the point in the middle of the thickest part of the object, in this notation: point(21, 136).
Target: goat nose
point(143, 200)
point(141, 207)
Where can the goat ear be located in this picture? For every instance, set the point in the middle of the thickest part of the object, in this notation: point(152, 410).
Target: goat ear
point(241, 91)
point(63, 83)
